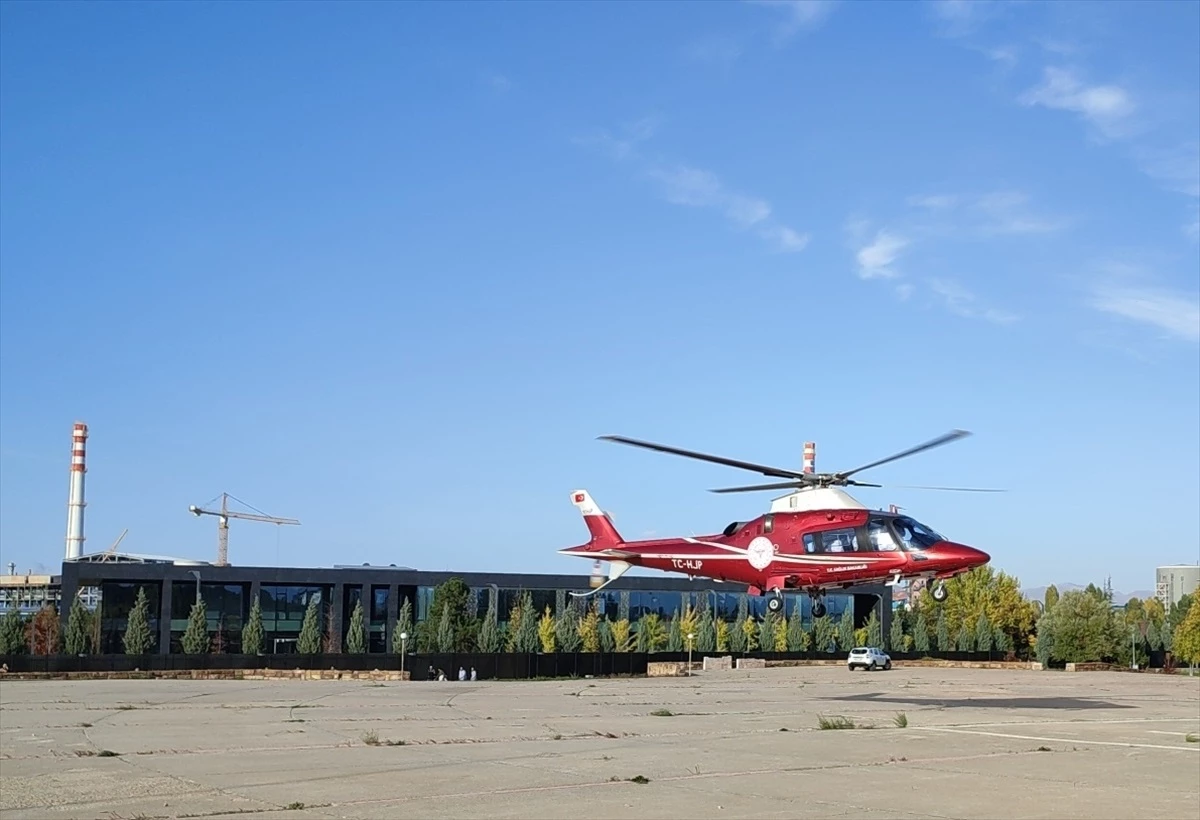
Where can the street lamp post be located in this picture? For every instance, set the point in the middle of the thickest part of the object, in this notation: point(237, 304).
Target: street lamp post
point(690, 635)
point(403, 640)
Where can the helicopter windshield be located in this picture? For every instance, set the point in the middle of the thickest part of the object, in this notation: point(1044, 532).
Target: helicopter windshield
point(915, 535)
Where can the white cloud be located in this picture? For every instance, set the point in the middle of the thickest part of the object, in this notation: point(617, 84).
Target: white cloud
point(1107, 107)
point(1005, 214)
point(995, 213)
point(875, 259)
point(747, 210)
point(498, 82)
point(688, 186)
point(797, 14)
point(962, 302)
point(786, 238)
point(1174, 313)
point(697, 187)
point(933, 202)
point(1176, 169)
point(715, 50)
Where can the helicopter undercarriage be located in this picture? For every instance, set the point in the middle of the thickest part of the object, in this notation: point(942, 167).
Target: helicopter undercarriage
point(816, 595)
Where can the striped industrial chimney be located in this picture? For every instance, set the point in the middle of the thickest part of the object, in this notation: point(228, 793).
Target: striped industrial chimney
point(810, 456)
point(75, 502)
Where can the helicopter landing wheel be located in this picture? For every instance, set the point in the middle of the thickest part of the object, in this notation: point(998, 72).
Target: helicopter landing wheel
point(775, 603)
point(818, 608)
point(940, 593)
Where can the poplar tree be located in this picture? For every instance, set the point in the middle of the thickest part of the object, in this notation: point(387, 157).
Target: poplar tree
point(252, 632)
point(195, 637)
point(356, 639)
point(78, 633)
point(138, 639)
point(309, 641)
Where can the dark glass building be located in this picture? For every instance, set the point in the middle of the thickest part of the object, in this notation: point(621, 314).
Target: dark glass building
point(285, 592)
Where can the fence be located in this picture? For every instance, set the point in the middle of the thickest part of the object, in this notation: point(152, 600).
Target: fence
point(495, 666)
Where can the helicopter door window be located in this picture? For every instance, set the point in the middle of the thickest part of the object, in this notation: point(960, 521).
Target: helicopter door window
point(810, 545)
point(839, 541)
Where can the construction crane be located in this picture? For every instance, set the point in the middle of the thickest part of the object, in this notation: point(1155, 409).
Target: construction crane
point(223, 516)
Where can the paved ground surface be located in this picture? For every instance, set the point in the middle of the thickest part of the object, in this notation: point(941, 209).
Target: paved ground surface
point(978, 744)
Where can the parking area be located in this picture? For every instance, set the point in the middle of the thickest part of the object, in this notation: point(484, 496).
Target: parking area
point(786, 742)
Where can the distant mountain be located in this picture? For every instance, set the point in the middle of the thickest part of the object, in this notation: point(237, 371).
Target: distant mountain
point(1119, 598)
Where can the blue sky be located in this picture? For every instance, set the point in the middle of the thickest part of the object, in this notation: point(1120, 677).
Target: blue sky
point(390, 269)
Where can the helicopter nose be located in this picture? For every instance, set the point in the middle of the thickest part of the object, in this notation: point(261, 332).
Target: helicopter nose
point(974, 557)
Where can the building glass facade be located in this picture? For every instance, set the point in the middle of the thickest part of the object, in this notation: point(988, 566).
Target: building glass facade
point(284, 595)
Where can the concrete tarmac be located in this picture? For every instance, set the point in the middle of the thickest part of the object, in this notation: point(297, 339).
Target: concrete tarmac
point(978, 743)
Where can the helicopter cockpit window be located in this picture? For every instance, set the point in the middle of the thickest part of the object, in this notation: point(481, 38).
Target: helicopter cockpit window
point(880, 536)
point(915, 535)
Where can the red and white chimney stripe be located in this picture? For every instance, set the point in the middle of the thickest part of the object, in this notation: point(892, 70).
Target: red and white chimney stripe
point(75, 502)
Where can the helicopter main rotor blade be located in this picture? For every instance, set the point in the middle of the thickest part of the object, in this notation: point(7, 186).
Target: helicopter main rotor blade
point(952, 489)
point(777, 472)
point(953, 435)
point(785, 485)
point(752, 488)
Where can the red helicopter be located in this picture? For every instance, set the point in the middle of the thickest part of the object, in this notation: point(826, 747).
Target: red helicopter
point(815, 539)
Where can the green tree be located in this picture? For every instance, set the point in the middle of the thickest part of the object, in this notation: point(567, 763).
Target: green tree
point(706, 632)
point(138, 639)
point(984, 590)
point(824, 635)
point(607, 642)
point(1179, 611)
point(1044, 646)
point(921, 634)
point(489, 632)
point(984, 635)
point(309, 642)
point(566, 630)
point(797, 637)
point(445, 630)
point(78, 629)
point(404, 626)
point(356, 637)
point(1050, 598)
point(252, 632)
point(527, 634)
point(464, 626)
point(589, 630)
point(1083, 627)
point(675, 634)
point(964, 639)
point(651, 633)
point(195, 638)
point(943, 633)
point(12, 633)
point(766, 632)
point(1001, 640)
point(874, 630)
point(846, 627)
point(737, 637)
point(1185, 644)
point(896, 633)
point(1153, 636)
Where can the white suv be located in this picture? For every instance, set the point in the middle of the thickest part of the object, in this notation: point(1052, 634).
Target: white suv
point(868, 657)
